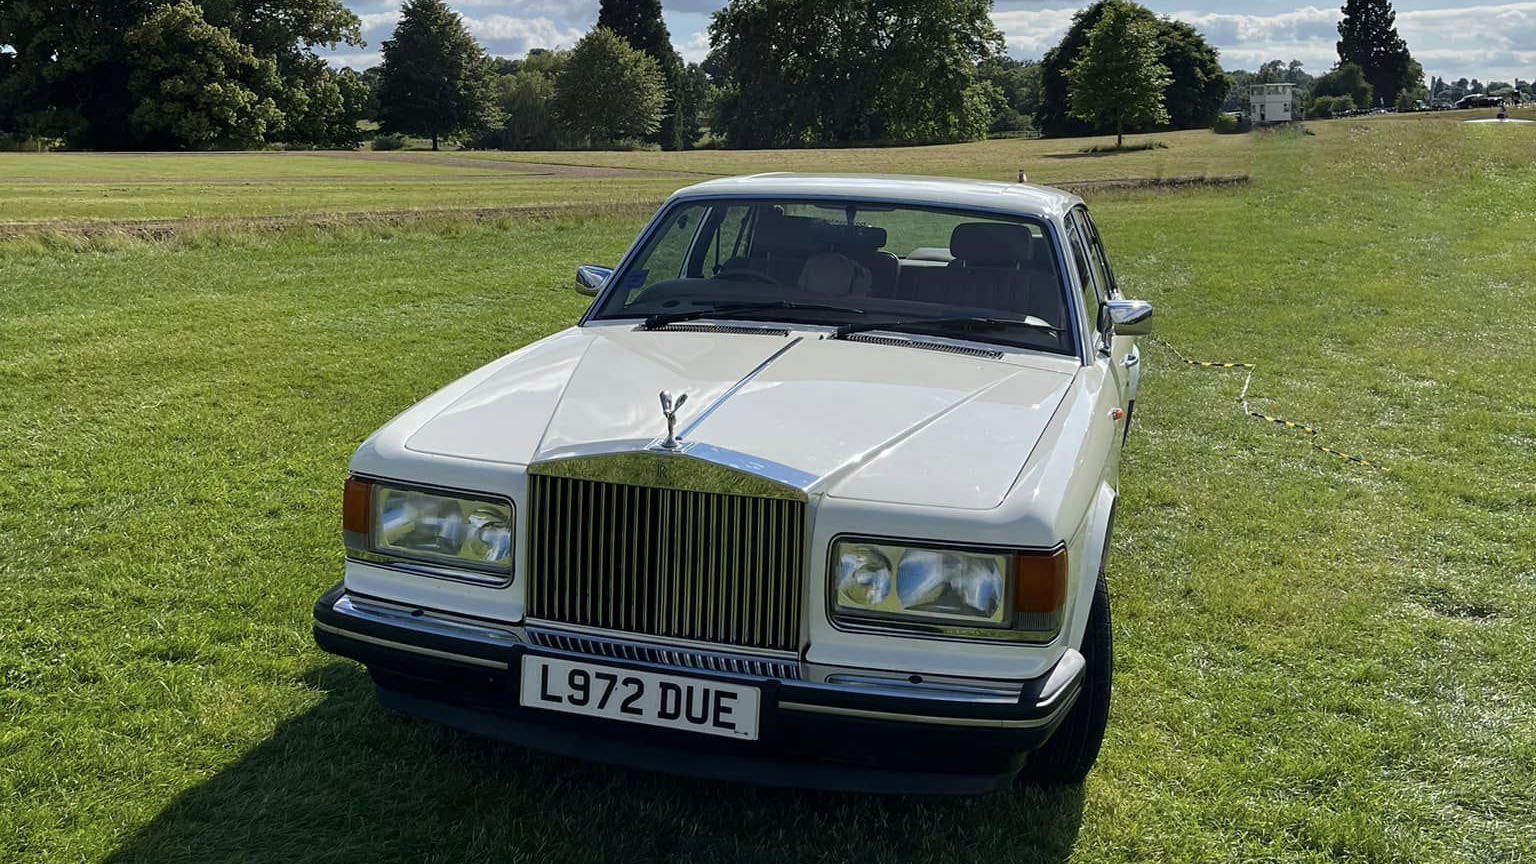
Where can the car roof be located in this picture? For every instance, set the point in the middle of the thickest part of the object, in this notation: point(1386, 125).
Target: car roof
point(1021, 198)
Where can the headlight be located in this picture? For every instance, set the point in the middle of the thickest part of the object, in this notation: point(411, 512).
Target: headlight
point(443, 529)
point(958, 591)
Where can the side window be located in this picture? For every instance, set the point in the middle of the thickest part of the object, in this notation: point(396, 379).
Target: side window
point(1080, 256)
point(1096, 247)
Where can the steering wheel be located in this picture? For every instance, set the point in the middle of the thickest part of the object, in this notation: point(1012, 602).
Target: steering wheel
point(737, 271)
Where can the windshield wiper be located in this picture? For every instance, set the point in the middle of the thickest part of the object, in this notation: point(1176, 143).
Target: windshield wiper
point(963, 324)
point(662, 319)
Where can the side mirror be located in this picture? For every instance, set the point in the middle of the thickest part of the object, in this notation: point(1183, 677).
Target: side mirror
point(590, 279)
point(1130, 317)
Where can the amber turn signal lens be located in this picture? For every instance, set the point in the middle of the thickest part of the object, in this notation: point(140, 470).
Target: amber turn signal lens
point(355, 500)
point(1040, 582)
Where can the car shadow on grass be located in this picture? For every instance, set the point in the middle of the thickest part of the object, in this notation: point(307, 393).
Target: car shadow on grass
point(350, 781)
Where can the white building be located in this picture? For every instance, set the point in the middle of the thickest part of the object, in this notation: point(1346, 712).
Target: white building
point(1271, 103)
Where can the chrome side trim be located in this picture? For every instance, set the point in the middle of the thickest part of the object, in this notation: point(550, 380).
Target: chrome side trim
point(414, 649)
point(423, 621)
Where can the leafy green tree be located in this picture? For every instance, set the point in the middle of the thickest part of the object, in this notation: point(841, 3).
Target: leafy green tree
point(1018, 83)
point(525, 93)
point(640, 24)
point(1324, 107)
point(1117, 81)
point(1197, 86)
point(694, 102)
point(1368, 38)
point(803, 72)
point(197, 85)
point(437, 81)
point(91, 72)
point(1347, 80)
point(609, 92)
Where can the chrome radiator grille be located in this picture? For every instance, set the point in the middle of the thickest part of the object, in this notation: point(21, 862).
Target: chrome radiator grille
point(703, 566)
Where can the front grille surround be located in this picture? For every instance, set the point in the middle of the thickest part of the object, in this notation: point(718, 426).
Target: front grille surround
point(669, 563)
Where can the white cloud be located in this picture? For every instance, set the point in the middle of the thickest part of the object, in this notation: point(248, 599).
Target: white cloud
point(1489, 40)
point(695, 47)
point(1032, 32)
point(534, 32)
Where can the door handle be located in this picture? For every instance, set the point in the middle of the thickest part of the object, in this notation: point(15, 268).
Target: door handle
point(1131, 360)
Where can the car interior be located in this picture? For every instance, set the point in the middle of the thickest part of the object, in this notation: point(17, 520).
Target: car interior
point(1004, 267)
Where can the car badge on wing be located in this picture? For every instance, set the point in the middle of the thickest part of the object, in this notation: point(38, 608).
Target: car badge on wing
point(669, 410)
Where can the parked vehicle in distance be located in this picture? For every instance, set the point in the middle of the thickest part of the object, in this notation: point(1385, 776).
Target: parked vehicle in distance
point(817, 492)
point(1479, 100)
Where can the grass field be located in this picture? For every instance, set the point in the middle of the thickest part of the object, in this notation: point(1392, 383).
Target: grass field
point(1315, 661)
point(69, 188)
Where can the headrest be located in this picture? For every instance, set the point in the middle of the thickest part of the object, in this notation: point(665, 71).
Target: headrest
point(992, 244)
point(786, 235)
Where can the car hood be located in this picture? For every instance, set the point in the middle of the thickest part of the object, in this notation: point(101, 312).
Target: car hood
point(846, 418)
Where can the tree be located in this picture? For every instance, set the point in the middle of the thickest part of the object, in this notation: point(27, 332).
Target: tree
point(197, 86)
point(1197, 86)
point(1018, 83)
point(794, 73)
point(640, 24)
point(1368, 38)
point(608, 91)
point(1117, 81)
point(163, 73)
point(1325, 107)
point(1346, 80)
point(436, 81)
point(525, 93)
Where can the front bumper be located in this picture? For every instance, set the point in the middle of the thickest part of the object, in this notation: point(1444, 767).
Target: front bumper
point(862, 734)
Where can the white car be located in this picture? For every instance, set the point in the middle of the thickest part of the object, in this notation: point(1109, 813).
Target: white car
point(818, 493)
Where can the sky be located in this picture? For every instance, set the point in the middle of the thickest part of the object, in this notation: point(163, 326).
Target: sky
point(1483, 39)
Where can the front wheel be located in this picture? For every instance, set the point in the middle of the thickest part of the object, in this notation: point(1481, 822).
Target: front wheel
point(1073, 748)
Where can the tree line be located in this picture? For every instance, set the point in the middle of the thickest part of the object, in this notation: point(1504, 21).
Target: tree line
point(179, 74)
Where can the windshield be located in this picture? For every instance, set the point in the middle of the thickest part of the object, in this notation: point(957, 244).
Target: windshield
point(924, 270)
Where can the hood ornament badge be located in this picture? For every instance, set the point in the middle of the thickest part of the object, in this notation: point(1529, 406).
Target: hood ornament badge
point(669, 410)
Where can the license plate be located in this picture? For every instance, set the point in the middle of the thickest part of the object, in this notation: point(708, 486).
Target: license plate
point(670, 701)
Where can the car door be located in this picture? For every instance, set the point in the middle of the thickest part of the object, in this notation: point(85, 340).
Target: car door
point(1111, 400)
point(1124, 350)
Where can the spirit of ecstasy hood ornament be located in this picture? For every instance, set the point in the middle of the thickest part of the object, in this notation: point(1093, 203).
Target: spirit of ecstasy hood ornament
point(669, 410)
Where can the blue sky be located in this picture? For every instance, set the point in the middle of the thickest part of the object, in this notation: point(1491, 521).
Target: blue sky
point(1486, 39)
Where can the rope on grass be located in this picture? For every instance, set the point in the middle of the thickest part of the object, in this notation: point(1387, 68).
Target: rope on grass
point(1242, 399)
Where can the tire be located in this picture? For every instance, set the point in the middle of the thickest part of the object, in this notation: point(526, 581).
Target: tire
point(1069, 754)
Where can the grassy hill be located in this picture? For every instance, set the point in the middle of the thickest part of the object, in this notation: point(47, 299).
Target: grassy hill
point(1315, 660)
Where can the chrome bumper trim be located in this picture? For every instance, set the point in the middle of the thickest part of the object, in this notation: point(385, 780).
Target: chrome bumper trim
point(974, 722)
point(423, 621)
point(414, 649)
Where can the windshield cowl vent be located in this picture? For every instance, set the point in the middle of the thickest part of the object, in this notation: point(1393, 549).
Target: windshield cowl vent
point(735, 329)
point(926, 346)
